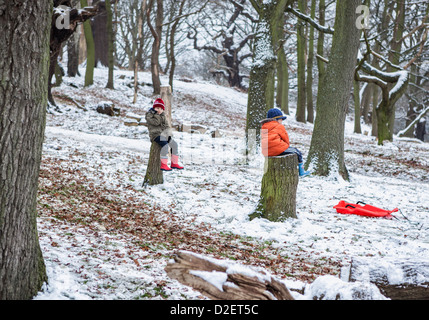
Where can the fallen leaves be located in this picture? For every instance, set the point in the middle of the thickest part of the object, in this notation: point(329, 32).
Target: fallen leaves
point(69, 195)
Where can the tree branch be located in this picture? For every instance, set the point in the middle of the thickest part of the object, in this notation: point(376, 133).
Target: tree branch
point(256, 6)
point(308, 19)
point(413, 123)
point(187, 14)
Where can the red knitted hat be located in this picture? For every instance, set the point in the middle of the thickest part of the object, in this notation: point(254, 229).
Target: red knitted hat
point(159, 103)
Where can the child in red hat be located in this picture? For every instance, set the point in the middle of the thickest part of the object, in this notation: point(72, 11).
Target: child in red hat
point(161, 133)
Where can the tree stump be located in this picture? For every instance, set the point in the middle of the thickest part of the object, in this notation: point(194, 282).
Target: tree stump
point(278, 190)
point(154, 174)
point(225, 280)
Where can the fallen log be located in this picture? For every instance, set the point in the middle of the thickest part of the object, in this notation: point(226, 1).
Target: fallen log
point(224, 280)
point(107, 107)
point(398, 279)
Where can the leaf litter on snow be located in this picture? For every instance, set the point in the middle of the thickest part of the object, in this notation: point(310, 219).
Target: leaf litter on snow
point(105, 237)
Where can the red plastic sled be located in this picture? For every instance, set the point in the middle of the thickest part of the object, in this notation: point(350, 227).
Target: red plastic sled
point(365, 210)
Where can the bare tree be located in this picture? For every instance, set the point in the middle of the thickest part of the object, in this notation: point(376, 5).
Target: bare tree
point(156, 45)
point(178, 14)
point(135, 38)
point(227, 39)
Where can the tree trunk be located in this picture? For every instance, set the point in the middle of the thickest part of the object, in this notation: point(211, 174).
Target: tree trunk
point(384, 116)
point(374, 125)
point(73, 50)
point(100, 35)
point(327, 144)
point(174, 28)
point(320, 51)
point(111, 44)
point(282, 93)
point(278, 190)
point(365, 103)
point(140, 18)
point(395, 53)
point(310, 103)
point(166, 96)
point(24, 64)
point(153, 173)
point(301, 103)
point(90, 49)
point(156, 33)
point(73, 56)
point(261, 84)
point(356, 99)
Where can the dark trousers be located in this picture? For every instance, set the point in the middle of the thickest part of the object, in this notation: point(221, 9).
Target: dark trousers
point(291, 151)
point(165, 143)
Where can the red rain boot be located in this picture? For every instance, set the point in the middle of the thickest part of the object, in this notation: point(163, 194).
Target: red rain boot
point(175, 162)
point(164, 165)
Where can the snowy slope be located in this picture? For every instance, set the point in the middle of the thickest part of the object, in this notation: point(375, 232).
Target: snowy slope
point(217, 189)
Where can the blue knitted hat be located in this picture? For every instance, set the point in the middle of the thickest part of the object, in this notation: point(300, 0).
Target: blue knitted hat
point(276, 114)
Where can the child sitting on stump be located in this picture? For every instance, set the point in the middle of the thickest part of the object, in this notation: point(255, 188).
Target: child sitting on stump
point(275, 139)
point(161, 133)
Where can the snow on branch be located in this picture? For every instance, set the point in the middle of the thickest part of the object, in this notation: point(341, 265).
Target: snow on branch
point(414, 122)
point(311, 21)
point(382, 79)
point(400, 78)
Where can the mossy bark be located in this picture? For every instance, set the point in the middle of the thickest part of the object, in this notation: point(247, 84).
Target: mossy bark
point(278, 189)
point(24, 68)
point(326, 153)
point(261, 84)
point(90, 49)
point(154, 174)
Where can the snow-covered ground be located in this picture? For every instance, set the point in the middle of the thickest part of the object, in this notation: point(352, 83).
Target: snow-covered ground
point(218, 189)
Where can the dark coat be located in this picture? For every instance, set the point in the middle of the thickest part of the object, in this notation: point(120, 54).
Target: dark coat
point(157, 125)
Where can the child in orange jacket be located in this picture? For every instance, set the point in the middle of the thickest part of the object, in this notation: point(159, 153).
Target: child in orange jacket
point(275, 139)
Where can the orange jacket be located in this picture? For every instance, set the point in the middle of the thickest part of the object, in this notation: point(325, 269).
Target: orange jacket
point(274, 138)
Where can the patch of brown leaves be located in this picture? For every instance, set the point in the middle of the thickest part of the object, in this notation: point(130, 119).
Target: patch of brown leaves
point(66, 194)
